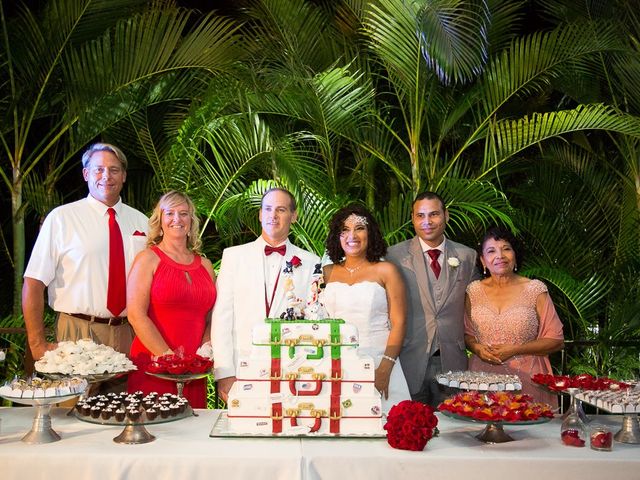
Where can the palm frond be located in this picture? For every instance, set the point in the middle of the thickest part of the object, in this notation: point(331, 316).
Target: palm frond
point(532, 61)
point(508, 137)
point(583, 295)
point(298, 34)
point(470, 203)
point(454, 37)
point(156, 42)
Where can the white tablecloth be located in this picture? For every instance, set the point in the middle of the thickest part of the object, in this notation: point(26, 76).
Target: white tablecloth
point(183, 449)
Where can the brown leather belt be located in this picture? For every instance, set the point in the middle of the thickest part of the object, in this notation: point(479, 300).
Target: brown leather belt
point(113, 321)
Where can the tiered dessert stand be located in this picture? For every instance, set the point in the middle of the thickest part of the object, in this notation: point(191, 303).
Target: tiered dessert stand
point(493, 431)
point(134, 432)
point(619, 398)
point(617, 403)
point(41, 430)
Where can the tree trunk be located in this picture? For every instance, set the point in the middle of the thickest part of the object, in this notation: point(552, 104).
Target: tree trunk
point(17, 215)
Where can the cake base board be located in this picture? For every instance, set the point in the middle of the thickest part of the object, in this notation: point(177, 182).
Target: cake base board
point(221, 429)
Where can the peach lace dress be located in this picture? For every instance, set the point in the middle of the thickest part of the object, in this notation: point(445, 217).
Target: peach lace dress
point(516, 324)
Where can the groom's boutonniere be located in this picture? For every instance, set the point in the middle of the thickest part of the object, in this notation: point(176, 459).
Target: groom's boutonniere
point(453, 262)
point(295, 262)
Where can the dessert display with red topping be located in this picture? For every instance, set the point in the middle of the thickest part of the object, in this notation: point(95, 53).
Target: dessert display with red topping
point(180, 364)
point(572, 438)
point(496, 407)
point(560, 383)
point(601, 439)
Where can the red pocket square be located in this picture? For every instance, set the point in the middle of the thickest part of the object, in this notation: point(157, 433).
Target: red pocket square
point(139, 234)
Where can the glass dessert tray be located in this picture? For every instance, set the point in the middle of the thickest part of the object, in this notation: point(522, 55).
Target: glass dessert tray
point(90, 378)
point(494, 432)
point(134, 432)
point(221, 430)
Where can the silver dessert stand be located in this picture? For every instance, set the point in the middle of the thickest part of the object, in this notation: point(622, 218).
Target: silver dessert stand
point(134, 433)
point(629, 431)
point(41, 430)
point(494, 432)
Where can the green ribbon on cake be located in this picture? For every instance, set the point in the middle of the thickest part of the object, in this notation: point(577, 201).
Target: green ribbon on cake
point(275, 340)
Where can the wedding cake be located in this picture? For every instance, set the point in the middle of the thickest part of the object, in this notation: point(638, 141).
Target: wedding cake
point(305, 377)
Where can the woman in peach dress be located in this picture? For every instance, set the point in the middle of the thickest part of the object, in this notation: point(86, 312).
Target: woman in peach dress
point(511, 325)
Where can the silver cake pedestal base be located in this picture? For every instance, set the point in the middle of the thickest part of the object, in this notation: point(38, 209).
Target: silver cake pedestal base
point(133, 435)
point(630, 431)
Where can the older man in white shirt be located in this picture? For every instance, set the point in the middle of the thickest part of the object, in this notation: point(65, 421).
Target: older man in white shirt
point(71, 259)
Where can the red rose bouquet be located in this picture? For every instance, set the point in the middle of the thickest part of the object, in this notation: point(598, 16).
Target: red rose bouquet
point(496, 407)
point(410, 425)
point(559, 383)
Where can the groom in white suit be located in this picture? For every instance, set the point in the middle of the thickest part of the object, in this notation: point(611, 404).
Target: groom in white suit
point(251, 287)
point(436, 272)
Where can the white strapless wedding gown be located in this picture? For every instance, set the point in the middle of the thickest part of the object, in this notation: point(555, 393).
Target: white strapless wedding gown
point(364, 305)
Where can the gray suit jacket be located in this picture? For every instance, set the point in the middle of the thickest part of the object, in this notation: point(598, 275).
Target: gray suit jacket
point(449, 317)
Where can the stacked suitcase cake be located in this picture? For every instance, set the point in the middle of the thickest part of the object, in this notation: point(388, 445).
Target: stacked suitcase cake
point(305, 377)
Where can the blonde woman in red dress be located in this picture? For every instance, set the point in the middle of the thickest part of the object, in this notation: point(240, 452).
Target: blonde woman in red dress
point(170, 294)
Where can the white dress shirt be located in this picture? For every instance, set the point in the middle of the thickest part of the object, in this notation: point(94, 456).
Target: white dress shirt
point(71, 254)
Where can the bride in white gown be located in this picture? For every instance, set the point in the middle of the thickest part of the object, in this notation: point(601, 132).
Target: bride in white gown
point(368, 293)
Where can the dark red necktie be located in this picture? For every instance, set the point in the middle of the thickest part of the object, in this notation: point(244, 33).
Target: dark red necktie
point(435, 265)
point(117, 286)
point(282, 249)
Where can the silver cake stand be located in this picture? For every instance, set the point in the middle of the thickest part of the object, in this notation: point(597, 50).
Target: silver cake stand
point(493, 432)
point(630, 430)
point(41, 430)
point(135, 432)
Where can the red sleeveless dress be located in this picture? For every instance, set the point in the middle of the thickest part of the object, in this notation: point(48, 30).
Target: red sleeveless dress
point(181, 297)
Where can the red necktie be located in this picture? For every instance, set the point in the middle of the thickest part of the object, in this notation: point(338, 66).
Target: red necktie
point(117, 286)
point(435, 265)
point(282, 249)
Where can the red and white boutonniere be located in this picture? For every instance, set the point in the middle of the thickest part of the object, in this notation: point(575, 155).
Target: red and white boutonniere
point(295, 262)
point(453, 262)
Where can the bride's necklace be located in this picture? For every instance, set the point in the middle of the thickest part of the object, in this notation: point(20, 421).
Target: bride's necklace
point(354, 269)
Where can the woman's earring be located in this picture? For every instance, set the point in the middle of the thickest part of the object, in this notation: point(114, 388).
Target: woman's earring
point(515, 269)
point(485, 271)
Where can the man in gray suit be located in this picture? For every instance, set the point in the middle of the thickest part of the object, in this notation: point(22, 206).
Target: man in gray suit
point(436, 272)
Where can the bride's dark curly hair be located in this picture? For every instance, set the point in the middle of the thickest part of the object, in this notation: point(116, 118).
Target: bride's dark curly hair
point(376, 246)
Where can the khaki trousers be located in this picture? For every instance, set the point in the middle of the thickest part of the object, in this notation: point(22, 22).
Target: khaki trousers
point(117, 337)
point(72, 328)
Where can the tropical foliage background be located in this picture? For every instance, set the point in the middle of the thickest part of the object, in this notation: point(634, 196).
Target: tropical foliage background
point(525, 113)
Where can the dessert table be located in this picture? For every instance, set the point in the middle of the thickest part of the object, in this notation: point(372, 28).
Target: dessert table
point(183, 449)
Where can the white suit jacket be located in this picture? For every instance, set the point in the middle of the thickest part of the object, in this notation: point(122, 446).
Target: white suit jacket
point(240, 303)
